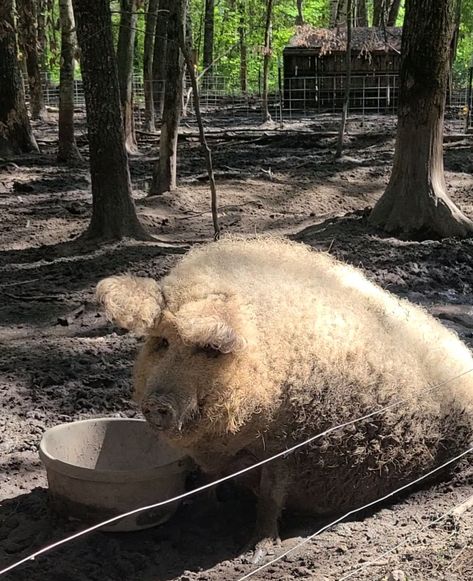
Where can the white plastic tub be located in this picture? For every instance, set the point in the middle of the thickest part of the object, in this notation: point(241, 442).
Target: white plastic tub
point(101, 468)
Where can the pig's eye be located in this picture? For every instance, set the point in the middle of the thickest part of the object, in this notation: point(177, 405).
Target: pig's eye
point(210, 351)
point(160, 344)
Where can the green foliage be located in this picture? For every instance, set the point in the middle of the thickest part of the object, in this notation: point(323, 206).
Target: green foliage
point(229, 15)
point(464, 60)
point(227, 22)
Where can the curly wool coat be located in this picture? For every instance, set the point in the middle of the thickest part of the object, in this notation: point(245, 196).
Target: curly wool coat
point(256, 344)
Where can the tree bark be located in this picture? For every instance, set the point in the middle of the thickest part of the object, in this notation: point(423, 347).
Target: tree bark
point(300, 13)
point(415, 202)
point(150, 30)
point(346, 97)
point(28, 34)
point(379, 7)
point(243, 48)
point(15, 131)
point(164, 175)
point(266, 61)
point(338, 12)
point(361, 13)
point(67, 147)
point(185, 43)
point(209, 26)
point(113, 212)
point(393, 12)
point(333, 7)
point(42, 19)
point(159, 57)
point(125, 52)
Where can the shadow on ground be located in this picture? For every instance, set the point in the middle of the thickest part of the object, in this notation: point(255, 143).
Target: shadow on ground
point(200, 535)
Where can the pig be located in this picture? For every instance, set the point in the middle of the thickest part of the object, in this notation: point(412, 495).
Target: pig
point(256, 344)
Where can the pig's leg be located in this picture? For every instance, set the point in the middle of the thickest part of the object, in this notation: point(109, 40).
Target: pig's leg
point(272, 495)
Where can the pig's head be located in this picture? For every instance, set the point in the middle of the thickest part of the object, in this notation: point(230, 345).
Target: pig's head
point(198, 372)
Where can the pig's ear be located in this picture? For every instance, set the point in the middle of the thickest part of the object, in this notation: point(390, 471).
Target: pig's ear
point(131, 302)
point(212, 322)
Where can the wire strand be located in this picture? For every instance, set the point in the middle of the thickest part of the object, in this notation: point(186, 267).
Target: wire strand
point(408, 538)
point(200, 489)
point(354, 511)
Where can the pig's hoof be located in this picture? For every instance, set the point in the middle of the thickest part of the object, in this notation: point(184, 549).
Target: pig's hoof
point(256, 553)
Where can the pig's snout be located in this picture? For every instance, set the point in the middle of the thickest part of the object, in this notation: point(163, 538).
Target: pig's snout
point(160, 414)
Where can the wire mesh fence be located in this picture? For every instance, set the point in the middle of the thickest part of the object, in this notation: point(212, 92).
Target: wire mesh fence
point(469, 105)
point(294, 97)
point(324, 94)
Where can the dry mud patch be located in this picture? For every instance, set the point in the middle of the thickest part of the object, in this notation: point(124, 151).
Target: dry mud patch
point(60, 360)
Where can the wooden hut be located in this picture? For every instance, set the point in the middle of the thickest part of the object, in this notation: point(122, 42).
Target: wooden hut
point(315, 68)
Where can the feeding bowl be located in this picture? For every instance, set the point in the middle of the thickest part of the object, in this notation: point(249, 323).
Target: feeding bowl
point(100, 468)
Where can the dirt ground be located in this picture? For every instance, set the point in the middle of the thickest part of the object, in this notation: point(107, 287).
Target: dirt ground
point(60, 360)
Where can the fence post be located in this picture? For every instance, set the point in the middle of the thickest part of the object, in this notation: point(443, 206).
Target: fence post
point(469, 99)
point(280, 91)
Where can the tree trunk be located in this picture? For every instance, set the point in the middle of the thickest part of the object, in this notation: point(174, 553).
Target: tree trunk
point(346, 98)
point(185, 43)
point(243, 49)
point(150, 30)
point(361, 13)
point(415, 202)
point(159, 57)
point(113, 212)
point(125, 52)
point(42, 19)
point(188, 42)
point(15, 130)
point(266, 60)
point(300, 13)
point(67, 149)
point(209, 22)
point(164, 175)
point(338, 12)
point(393, 12)
point(380, 12)
point(333, 6)
point(27, 24)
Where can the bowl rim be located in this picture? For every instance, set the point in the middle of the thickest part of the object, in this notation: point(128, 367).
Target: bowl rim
point(51, 463)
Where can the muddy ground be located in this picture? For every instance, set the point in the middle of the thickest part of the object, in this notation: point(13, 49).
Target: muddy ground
point(60, 360)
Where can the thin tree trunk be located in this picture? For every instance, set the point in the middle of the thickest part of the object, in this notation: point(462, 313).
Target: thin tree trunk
point(454, 47)
point(15, 130)
point(164, 175)
point(334, 7)
point(67, 149)
point(346, 98)
point(150, 30)
point(393, 12)
point(113, 212)
point(300, 13)
point(42, 18)
point(379, 9)
point(209, 26)
point(185, 43)
point(361, 13)
point(266, 60)
point(243, 48)
point(415, 202)
point(188, 40)
point(125, 52)
point(27, 23)
point(159, 57)
point(338, 12)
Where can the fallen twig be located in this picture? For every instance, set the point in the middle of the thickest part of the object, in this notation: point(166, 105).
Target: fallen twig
point(18, 283)
point(185, 49)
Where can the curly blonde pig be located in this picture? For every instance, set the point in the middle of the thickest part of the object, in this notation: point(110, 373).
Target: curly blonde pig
point(253, 345)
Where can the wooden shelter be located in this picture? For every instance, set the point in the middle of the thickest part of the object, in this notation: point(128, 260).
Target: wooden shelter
point(315, 68)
